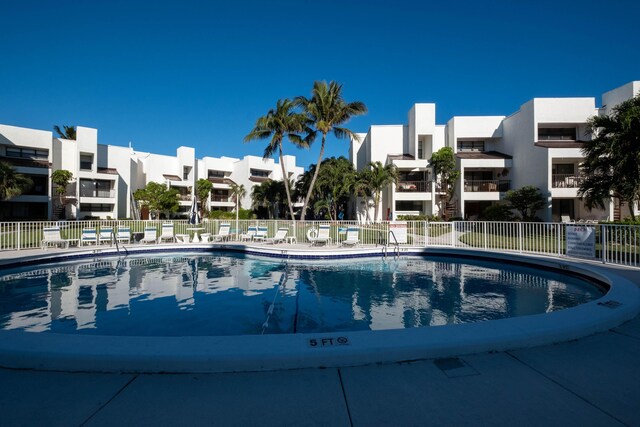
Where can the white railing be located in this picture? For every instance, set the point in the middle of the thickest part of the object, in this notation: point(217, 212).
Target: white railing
point(616, 244)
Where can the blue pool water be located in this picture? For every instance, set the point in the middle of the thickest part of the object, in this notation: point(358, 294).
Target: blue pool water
point(237, 294)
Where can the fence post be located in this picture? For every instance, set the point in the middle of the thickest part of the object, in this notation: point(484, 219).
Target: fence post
point(19, 238)
point(520, 236)
point(426, 232)
point(604, 244)
point(453, 234)
point(559, 238)
point(484, 233)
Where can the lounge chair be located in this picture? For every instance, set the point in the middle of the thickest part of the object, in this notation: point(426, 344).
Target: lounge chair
point(51, 236)
point(566, 219)
point(223, 233)
point(323, 235)
point(184, 238)
point(167, 233)
point(88, 236)
point(123, 235)
point(150, 235)
point(106, 235)
point(261, 234)
point(280, 236)
point(251, 231)
point(352, 237)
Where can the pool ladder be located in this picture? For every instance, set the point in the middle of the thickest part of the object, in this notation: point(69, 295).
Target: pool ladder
point(396, 247)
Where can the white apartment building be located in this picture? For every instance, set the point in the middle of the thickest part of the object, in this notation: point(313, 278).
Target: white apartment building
point(106, 176)
point(540, 145)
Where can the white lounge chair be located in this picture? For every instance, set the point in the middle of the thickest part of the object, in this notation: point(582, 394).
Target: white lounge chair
point(352, 237)
point(323, 235)
point(223, 233)
point(106, 235)
point(167, 233)
point(51, 236)
point(280, 236)
point(150, 235)
point(123, 235)
point(566, 219)
point(88, 236)
point(251, 231)
point(261, 234)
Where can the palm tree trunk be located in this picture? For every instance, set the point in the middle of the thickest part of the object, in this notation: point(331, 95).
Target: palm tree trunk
point(633, 215)
point(286, 186)
point(313, 180)
point(376, 200)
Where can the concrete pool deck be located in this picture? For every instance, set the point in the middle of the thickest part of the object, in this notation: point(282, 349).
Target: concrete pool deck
point(590, 381)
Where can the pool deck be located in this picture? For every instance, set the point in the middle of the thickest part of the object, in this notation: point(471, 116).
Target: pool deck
point(590, 381)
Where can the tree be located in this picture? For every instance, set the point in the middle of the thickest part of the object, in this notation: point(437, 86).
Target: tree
point(203, 188)
point(526, 200)
point(612, 157)
point(335, 183)
point(375, 179)
point(158, 198)
point(443, 163)
point(12, 183)
point(269, 195)
point(61, 178)
point(239, 192)
point(327, 111)
point(278, 123)
point(68, 133)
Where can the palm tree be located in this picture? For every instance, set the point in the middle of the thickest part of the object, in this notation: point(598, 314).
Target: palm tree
point(238, 192)
point(278, 123)
point(68, 133)
point(334, 185)
point(375, 179)
point(12, 183)
point(327, 110)
point(612, 157)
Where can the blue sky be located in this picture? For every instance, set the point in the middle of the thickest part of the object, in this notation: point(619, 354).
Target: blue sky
point(165, 73)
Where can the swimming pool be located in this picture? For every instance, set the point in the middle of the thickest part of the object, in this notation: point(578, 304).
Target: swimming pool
point(90, 351)
point(195, 294)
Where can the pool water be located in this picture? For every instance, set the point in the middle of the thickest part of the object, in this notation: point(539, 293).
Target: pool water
point(238, 294)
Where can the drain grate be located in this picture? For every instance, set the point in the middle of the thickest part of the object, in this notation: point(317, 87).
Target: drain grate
point(610, 304)
point(454, 367)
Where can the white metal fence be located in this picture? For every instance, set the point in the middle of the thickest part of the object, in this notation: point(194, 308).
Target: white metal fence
point(617, 244)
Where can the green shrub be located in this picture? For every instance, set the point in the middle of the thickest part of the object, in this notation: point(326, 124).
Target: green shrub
point(497, 212)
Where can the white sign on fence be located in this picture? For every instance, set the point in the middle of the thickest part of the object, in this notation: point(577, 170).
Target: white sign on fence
point(399, 229)
point(581, 241)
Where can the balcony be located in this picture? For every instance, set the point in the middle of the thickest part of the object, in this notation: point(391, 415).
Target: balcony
point(105, 194)
point(185, 197)
point(492, 185)
point(27, 163)
point(220, 199)
point(560, 180)
point(414, 186)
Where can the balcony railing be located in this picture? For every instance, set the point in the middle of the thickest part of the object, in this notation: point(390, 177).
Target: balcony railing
point(98, 193)
point(489, 185)
point(184, 197)
point(561, 180)
point(414, 186)
point(220, 199)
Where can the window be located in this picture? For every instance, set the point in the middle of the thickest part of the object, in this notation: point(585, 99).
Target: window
point(39, 187)
point(408, 205)
point(215, 174)
point(95, 188)
point(27, 153)
point(420, 150)
point(186, 170)
point(556, 134)
point(259, 173)
point(95, 207)
point(470, 145)
point(86, 162)
point(478, 175)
